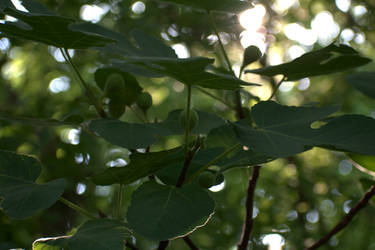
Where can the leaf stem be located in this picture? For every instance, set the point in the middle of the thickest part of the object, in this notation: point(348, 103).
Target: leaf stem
point(187, 162)
point(346, 219)
point(214, 97)
point(119, 200)
point(187, 121)
point(249, 221)
point(84, 85)
point(276, 88)
point(212, 162)
point(77, 208)
point(238, 107)
point(137, 115)
point(190, 243)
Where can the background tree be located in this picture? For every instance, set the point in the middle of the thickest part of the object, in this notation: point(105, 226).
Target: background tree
point(298, 199)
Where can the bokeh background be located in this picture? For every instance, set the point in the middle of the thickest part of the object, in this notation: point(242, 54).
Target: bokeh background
point(297, 199)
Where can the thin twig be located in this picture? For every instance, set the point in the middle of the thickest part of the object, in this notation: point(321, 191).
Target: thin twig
point(214, 97)
point(239, 111)
point(187, 121)
point(85, 86)
point(137, 115)
point(119, 200)
point(277, 87)
point(190, 243)
point(163, 244)
point(346, 219)
point(77, 208)
point(248, 224)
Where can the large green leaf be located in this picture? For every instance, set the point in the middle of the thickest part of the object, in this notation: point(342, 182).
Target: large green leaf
point(190, 71)
point(99, 234)
point(324, 61)
point(137, 135)
point(22, 197)
point(225, 137)
point(364, 82)
point(229, 6)
point(49, 29)
point(352, 133)
point(161, 212)
point(281, 130)
point(127, 135)
point(140, 165)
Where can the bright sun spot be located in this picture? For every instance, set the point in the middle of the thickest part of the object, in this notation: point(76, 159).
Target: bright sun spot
point(252, 21)
point(297, 32)
point(93, 13)
point(274, 241)
point(326, 27)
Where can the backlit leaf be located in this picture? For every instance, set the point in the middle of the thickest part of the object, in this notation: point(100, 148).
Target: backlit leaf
point(49, 29)
point(99, 234)
point(324, 61)
point(160, 212)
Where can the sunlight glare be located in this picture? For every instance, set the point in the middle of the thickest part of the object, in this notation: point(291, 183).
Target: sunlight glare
point(274, 241)
point(296, 51)
point(181, 50)
point(138, 7)
point(59, 84)
point(93, 13)
point(343, 5)
point(252, 21)
point(297, 32)
point(326, 27)
point(18, 5)
point(283, 5)
point(218, 187)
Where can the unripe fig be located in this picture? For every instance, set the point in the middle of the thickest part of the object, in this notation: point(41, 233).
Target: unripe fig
point(144, 101)
point(193, 121)
point(206, 179)
point(116, 109)
point(251, 54)
point(114, 86)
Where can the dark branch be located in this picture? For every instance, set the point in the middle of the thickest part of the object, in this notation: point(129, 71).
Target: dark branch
point(346, 219)
point(182, 177)
point(131, 246)
point(248, 223)
point(190, 243)
point(163, 244)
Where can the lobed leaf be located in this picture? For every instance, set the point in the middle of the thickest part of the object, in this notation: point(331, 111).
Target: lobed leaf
point(141, 165)
point(330, 59)
point(160, 212)
point(22, 197)
point(364, 82)
point(227, 6)
point(99, 234)
point(49, 29)
point(190, 71)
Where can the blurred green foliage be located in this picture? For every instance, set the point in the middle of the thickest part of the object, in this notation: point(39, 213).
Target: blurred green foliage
point(300, 198)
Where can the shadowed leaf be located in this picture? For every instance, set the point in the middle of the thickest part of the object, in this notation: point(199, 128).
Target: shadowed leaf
point(161, 212)
point(364, 82)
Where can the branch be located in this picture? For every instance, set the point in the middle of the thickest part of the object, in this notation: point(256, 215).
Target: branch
point(248, 224)
point(77, 208)
point(190, 243)
point(346, 219)
point(181, 179)
point(276, 88)
point(163, 244)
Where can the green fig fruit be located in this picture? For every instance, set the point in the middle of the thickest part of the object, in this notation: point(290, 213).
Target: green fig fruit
point(116, 109)
point(193, 121)
point(206, 179)
point(251, 54)
point(144, 101)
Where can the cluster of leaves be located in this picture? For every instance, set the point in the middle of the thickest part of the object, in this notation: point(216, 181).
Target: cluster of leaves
point(169, 208)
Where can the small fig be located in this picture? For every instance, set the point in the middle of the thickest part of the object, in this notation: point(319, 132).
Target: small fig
point(114, 86)
point(116, 109)
point(206, 179)
point(193, 121)
point(144, 101)
point(251, 54)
